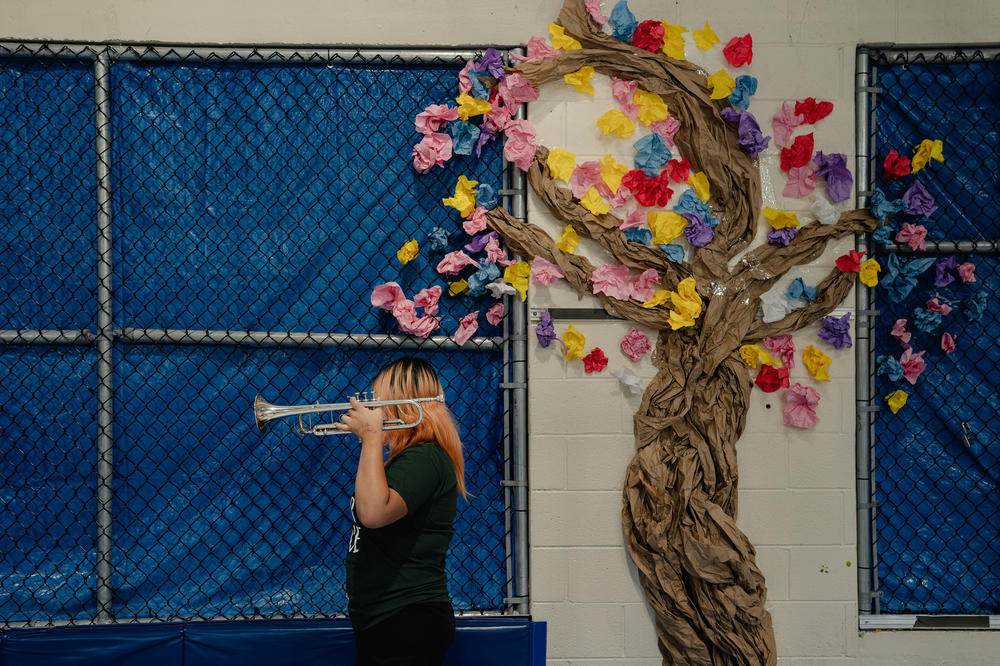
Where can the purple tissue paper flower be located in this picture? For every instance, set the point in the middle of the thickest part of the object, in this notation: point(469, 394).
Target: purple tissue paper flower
point(479, 242)
point(839, 181)
point(699, 235)
point(545, 329)
point(491, 62)
point(485, 136)
point(750, 136)
point(836, 331)
point(783, 236)
point(918, 200)
point(942, 271)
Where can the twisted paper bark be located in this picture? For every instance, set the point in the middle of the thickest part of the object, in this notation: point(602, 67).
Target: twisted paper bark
point(680, 497)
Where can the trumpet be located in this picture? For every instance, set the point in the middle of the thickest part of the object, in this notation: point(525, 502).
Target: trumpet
point(264, 412)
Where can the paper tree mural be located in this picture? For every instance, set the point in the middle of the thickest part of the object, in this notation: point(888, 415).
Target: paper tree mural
point(682, 267)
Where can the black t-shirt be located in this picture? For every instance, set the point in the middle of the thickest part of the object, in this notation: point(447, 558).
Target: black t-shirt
point(403, 563)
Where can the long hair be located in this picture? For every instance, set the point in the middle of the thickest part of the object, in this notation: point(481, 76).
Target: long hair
point(410, 377)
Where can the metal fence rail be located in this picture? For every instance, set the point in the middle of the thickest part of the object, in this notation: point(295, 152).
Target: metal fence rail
point(188, 227)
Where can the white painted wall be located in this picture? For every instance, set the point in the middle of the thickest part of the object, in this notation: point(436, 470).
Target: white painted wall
point(797, 488)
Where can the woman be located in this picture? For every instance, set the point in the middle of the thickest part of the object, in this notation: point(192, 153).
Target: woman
point(403, 511)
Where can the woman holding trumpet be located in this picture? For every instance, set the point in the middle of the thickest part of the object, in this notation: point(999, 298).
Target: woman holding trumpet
point(403, 511)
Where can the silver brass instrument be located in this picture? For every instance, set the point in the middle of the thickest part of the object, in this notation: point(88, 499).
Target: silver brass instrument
point(265, 412)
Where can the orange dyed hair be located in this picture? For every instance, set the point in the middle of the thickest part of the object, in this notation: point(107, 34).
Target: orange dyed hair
point(411, 377)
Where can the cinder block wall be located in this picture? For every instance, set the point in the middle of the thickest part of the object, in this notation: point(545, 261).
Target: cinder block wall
point(797, 488)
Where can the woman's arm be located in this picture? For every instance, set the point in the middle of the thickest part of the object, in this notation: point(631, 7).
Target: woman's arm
point(376, 504)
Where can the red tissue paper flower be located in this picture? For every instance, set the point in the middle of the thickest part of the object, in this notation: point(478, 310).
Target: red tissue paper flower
point(895, 166)
point(595, 361)
point(850, 262)
point(739, 51)
point(648, 191)
point(679, 170)
point(648, 35)
point(798, 154)
point(811, 110)
point(770, 378)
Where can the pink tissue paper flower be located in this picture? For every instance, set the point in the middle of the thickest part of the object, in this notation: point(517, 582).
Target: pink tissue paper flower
point(934, 305)
point(947, 343)
point(967, 272)
point(433, 117)
point(612, 281)
point(801, 181)
point(594, 7)
point(784, 347)
point(428, 299)
point(496, 254)
point(464, 82)
point(386, 295)
point(515, 90)
point(467, 325)
point(914, 235)
point(913, 364)
point(899, 331)
point(623, 91)
point(666, 128)
point(434, 149)
point(454, 262)
point(784, 123)
point(544, 271)
point(635, 345)
point(496, 119)
point(519, 149)
point(642, 286)
point(800, 406)
point(409, 322)
point(538, 49)
point(614, 200)
point(495, 314)
point(476, 221)
point(633, 218)
point(585, 176)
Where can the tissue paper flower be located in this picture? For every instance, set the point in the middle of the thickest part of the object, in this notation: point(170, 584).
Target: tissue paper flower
point(650, 107)
point(517, 276)
point(801, 181)
point(486, 196)
point(925, 152)
point(836, 331)
point(387, 295)
point(454, 262)
point(721, 84)
point(573, 341)
point(739, 51)
point(679, 170)
point(666, 128)
point(499, 289)
point(457, 287)
point(561, 164)
point(942, 271)
point(593, 202)
point(469, 106)
point(882, 207)
point(569, 240)
point(868, 272)
point(784, 123)
point(900, 277)
point(467, 325)
point(428, 298)
point(611, 280)
point(816, 363)
point(651, 153)
point(562, 41)
point(914, 235)
point(544, 271)
point(799, 290)
point(640, 236)
point(433, 117)
point(595, 361)
point(774, 305)
point(798, 154)
point(824, 211)
point(476, 222)
point(635, 345)
point(833, 167)
point(627, 377)
point(408, 252)
point(479, 242)
point(899, 331)
point(746, 87)
point(800, 407)
point(698, 234)
point(754, 354)
point(648, 36)
point(699, 182)
point(975, 306)
point(538, 49)
point(643, 286)
point(770, 379)
point(783, 236)
point(967, 272)
point(623, 91)
point(926, 320)
point(890, 367)
point(666, 226)
point(594, 8)
point(660, 296)
point(913, 364)
point(580, 79)
point(615, 122)
point(545, 330)
point(622, 22)
point(749, 136)
point(895, 166)
point(648, 191)
point(465, 135)
point(687, 304)
point(516, 90)
point(464, 200)
point(918, 200)
point(434, 149)
point(409, 322)
point(673, 41)
point(584, 177)
point(705, 38)
point(935, 305)
point(784, 347)
point(674, 252)
point(779, 219)
point(947, 343)
point(632, 219)
point(612, 172)
point(896, 400)
point(811, 110)
point(850, 262)
point(495, 253)
point(520, 146)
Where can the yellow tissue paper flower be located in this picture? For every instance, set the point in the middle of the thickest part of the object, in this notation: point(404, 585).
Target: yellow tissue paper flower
point(687, 304)
point(612, 173)
point(751, 354)
point(699, 181)
point(561, 164)
point(464, 200)
point(517, 276)
point(779, 219)
point(925, 152)
point(673, 43)
point(408, 252)
point(666, 225)
point(896, 400)
point(569, 240)
point(660, 296)
point(652, 108)
point(722, 84)
point(580, 79)
point(469, 106)
point(457, 287)
point(616, 122)
point(593, 202)
point(705, 39)
point(816, 363)
point(560, 40)
point(574, 341)
point(869, 272)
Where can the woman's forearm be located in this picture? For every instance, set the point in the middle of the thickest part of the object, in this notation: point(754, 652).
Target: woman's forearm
point(371, 492)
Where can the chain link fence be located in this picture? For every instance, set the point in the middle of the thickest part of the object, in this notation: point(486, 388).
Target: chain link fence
point(930, 496)
point(186, 229)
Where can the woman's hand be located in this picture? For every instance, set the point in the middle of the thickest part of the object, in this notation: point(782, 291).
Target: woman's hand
point(361, 420)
